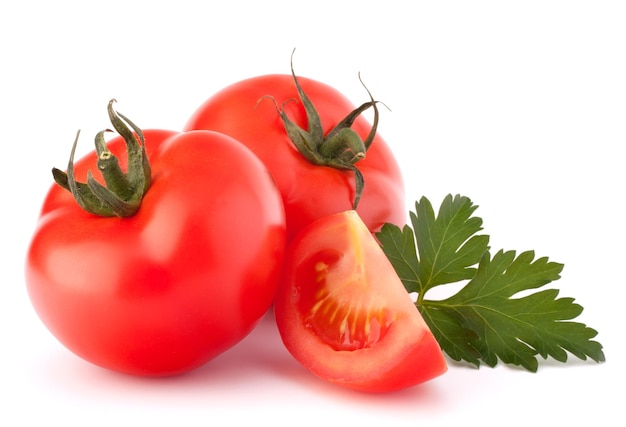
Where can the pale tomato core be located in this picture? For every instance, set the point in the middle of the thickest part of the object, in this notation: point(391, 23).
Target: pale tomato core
point(340, 310)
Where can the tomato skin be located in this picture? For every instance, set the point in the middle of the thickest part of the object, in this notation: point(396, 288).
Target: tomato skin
point(185, 278)
point(336, 276)
point(246, 111)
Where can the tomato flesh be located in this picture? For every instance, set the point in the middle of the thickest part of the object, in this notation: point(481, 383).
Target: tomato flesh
point(340, 309)
point(344, 314)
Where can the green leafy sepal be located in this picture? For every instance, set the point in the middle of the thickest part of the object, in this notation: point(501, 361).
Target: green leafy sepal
point(341, 148)
point(123, 192)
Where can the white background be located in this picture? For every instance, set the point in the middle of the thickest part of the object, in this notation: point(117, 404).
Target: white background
point(520, 106)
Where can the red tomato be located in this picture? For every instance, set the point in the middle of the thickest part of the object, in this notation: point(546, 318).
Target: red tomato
point(183, 279)
point(247, 111)
point(344, 314)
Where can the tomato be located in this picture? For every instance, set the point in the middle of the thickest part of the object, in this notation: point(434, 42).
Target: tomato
point(186, 277)
point(247, 111)
point(344, 314)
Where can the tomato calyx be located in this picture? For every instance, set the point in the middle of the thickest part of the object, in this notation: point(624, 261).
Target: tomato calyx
point(123, 192)
point(341, 147)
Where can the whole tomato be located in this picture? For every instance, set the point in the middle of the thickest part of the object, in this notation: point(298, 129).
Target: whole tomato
point(159, 285)
point(324, 155)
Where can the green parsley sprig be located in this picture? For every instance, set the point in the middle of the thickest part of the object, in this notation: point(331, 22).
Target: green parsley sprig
point(487, 320)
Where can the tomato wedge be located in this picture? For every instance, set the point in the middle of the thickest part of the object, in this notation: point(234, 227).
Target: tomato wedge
point(344, 314)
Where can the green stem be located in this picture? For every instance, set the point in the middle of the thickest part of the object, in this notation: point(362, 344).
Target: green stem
point(341, 148)
point(124, 191)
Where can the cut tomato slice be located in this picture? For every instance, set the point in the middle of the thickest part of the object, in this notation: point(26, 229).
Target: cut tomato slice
point(344, 314)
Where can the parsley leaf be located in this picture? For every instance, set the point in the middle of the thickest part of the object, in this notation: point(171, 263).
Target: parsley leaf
point(487, 320)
